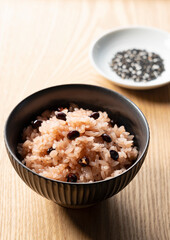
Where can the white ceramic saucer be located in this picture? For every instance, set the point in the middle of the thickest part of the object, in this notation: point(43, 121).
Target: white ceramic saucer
point(150, 39)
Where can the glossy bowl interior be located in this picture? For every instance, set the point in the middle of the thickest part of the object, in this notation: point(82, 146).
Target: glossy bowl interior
point(87, 96)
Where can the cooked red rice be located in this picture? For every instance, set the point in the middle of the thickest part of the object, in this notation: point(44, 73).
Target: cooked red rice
point(64, 159)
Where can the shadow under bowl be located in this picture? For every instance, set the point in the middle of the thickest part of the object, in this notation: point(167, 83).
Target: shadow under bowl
point(119, 108)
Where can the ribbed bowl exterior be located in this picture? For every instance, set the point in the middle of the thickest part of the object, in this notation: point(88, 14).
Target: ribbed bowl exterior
point(73, 195)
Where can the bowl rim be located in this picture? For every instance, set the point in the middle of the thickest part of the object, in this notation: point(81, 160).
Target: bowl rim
point(68, 86)
point(134, 85)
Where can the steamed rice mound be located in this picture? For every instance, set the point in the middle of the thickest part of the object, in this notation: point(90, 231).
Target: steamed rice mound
point(47, 150)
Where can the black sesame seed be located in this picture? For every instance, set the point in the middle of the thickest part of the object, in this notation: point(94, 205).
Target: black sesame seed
point(106, 137)
point(84, 162)
point(73, 134)
point(50, 150)
point(114, 155)
point(95, 115)
point(61, 116)
point(36, 123)
point(71, 177)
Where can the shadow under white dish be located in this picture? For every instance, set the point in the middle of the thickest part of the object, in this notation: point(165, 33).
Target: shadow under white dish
point(149, 39)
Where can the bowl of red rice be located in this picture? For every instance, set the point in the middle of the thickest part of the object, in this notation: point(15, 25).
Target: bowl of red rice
point(76, 144)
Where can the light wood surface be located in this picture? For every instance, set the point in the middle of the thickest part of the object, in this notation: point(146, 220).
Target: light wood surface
point(45, 43)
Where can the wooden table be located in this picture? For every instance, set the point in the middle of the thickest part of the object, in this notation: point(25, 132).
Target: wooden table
point(45, 43)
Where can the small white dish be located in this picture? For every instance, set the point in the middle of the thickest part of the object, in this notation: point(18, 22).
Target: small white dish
point(150, 39)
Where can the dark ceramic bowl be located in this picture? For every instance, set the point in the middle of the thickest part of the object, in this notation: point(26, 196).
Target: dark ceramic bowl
point(76, 195)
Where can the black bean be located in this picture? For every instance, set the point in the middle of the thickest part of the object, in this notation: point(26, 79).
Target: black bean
point(71, 177)
point(84, 162)
point(72, 107)
point(50, 150)
point(114, 155)
point(73, 134)
point(112, 123)
point(61, 116)
point(106, 137)
point(36, 123)
point(95, 115)
point(59, 109)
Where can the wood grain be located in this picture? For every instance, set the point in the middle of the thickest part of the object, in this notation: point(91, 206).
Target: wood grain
point(45, 43)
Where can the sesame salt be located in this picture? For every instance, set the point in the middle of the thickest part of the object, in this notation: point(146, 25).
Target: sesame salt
point(136, 64)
